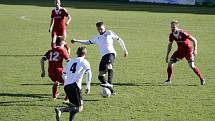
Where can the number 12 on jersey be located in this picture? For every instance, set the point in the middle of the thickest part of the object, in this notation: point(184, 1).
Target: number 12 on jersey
point(73, 67)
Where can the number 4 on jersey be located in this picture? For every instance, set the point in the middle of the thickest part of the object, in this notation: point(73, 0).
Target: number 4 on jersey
point(73, 67)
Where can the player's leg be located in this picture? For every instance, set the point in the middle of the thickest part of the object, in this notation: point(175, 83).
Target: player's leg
point(173, 59)
point(62, 33)
point(54, 36)
point(169, 71)
point(60, 80)
point(76, 102)
point(190, 59)
point(102, 70)
point(55, 92)
point(109, 67)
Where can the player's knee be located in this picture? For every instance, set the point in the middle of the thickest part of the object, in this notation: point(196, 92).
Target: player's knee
point(170, 64)
point(191, 65)
point(102, 73)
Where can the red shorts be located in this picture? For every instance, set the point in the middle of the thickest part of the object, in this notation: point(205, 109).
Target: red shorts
point(177, 55)
point(58, 32)
point(56, 75)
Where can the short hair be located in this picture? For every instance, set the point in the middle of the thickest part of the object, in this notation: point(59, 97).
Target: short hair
point(81, 51)
point(174, 22)
point(99, 23)
point(58, 40)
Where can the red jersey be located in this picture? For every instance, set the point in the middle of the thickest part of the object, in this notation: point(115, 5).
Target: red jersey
point(55, 57)
point(59, 17)
point(182, 39)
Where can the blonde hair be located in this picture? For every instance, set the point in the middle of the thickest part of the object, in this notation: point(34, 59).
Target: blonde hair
point(175, 22)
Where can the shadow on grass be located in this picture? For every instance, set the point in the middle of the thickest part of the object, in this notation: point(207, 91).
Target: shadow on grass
point(19, 55)
point(25, 95)
point(116, 6)
point(36, 84)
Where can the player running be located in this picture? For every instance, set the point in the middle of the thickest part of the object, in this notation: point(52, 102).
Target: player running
point(55, 69)
point(105, 41)
point(73, 74)
point(58, 24)
point(185, 50)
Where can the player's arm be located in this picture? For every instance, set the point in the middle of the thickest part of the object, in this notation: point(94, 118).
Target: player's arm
point(86, 42)
point(51, 24)
point(69, 18)
point(88, 78)
point(122, 44)
point(193, 39)
point(169, 48)
point(42, 61)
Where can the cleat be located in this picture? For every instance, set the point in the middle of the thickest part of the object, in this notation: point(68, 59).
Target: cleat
point(107, 85)
point(168, 82)
point(58, 114)
point(202, 82)
point(113, 92)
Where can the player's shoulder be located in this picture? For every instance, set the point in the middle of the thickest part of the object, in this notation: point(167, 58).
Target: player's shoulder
point(109, 32)
point(185, 32)
point(85, 61)
point(63, 9)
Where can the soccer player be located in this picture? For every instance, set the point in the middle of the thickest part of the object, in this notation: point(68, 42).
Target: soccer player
point(73, 74)
point(58, 24)
point(55, 58)
point(105, 41)
point(185, 50)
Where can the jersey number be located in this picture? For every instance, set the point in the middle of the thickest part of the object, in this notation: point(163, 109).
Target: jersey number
point(73, 67)
point(54, 56)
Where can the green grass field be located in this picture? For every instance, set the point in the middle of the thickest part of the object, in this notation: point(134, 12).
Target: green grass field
point(142, 96)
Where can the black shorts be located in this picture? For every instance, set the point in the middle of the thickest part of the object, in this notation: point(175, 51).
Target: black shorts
point(106, 59)
point(74, 94)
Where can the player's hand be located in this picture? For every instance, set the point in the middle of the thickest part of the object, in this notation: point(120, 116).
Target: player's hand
point(125, 55)
point(87, 91)
point(67, 23)
point(194, 52)
point(167, 59)
point(73, 41)
point(43, 74)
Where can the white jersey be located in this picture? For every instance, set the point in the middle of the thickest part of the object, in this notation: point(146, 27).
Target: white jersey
point(106, 41)
point(74, 71)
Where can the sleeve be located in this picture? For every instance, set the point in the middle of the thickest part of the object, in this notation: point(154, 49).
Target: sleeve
point(65, 12)
point(46, 55)
point(114, 35)
point(170, 38)
point(187, 35)
point(93, 40)
point(88, 75)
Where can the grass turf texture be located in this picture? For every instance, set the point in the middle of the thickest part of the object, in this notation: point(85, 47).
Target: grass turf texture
point(142, 96)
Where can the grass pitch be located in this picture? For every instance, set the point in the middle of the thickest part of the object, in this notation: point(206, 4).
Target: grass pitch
point(142, 96)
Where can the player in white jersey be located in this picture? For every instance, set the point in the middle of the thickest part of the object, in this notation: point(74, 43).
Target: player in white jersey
point(105, 41)
point(72, 75)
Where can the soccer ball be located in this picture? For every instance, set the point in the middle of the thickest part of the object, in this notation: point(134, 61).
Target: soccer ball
point(105, 92)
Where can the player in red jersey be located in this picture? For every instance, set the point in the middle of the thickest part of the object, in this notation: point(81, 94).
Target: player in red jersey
point(55, 58)
point(58, 23)
point(185, 50)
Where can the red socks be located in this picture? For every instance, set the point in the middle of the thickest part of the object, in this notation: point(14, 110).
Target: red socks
point(198, 73)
